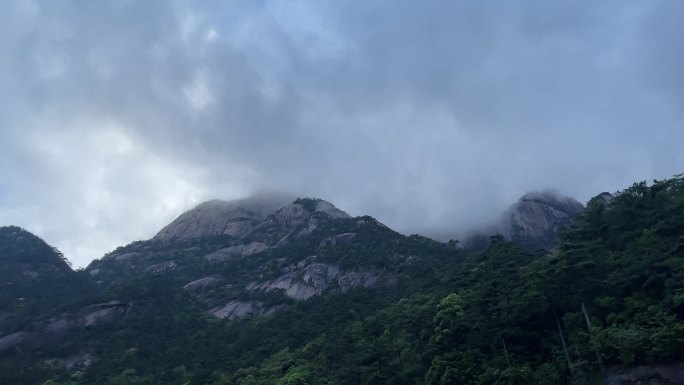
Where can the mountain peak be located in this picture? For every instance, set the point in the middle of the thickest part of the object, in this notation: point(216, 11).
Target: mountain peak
point(219, 217)
point(238, 217)
point(537, 216)
point(605, 198)
point(533, 221)
point(320, 205)
point(31, 271)
point(19, 246)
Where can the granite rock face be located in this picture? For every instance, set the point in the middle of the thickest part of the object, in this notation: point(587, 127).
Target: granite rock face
point(203, 283)
point(101, 315)
point(217, 217)
point(339, 239)
point(307, 278)
point(236, 251)
point(355, 279)
point(12, 340)
point(103, 312)
point(296, 220)
point(245, 217)
point(605, 198)
point(533, 221)
point(238, 309)
point(301, 281)
point(159, 268)
point(538, 216)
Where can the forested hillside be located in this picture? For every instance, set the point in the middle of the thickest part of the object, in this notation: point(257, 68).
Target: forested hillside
point(35, 279)
point(503, 316)
point(610, 295)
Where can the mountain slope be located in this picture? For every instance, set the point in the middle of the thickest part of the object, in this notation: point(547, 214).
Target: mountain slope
point(304, 249)
point(506, 315)
point(34, 276)
point(328, 299)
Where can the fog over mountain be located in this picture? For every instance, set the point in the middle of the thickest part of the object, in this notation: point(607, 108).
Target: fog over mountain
point(432, 116)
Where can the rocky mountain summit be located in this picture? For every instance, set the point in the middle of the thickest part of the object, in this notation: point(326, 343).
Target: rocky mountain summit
point(242, 217)
point(218, 217)
point(233, 255)
point(533, 221)
point(538, 216)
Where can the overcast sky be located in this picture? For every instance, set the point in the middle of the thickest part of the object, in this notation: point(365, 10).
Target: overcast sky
point(116, 116)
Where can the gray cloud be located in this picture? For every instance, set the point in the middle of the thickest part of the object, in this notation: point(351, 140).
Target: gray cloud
point(432, 116)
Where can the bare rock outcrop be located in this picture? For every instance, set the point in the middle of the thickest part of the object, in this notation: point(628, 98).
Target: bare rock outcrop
point(296, 220)
point(12, 340)
point(99, 315)
point(159, 268)
point(292, 286)
point(301, 281)
point(330, 209)
point(537, 216)
point(320, 275)
point(125, 256)
point(268, 218)
point(301, 210)
point(339, 239)
point(235, 309)
point(239, 309)
point(103, 312)
point(217, 217)
point(306, 279)
point(533, 221)
point(203, 283)
point(86, 316)
point(236, 251)
point(605, 198)
point(354, 279)
point(58, 327)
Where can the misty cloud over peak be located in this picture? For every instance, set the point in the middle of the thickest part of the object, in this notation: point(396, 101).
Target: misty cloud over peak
point(431, 116)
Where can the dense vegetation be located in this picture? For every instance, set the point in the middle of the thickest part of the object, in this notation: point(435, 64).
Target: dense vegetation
point(35, 279)
point(610, 294)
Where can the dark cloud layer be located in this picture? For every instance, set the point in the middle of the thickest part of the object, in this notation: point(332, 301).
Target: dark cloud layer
point(430, 115)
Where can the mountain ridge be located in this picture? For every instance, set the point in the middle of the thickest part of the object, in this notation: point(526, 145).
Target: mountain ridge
point(311, 295)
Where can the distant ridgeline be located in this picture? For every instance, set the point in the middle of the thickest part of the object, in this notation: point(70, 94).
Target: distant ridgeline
point(259, 291)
